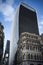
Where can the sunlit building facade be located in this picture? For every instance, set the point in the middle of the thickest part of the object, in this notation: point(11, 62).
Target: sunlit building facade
point(29, 50)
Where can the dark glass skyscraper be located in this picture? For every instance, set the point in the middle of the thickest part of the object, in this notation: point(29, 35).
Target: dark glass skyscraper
point(27, 20)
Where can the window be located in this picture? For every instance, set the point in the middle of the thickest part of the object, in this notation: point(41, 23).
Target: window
point(24, 56)
point(27, 46)
point(35, 57)
point(30, 47)
point(29, 56)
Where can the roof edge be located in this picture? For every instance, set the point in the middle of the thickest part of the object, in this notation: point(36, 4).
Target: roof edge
point(27, 6)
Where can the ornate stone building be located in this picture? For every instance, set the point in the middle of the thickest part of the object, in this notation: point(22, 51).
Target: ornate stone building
point(29, 50)
point(1, 40)
point(42, 44)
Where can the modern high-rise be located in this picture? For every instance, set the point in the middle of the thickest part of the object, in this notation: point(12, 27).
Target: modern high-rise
point(1, 40)
point(25, 20)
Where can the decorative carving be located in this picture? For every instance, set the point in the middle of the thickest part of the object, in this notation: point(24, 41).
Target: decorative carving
point(29, 47)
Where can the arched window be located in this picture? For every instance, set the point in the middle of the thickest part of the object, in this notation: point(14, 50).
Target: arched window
point(31, 47)
point(27, 46)
point(31, 56)
point(35, 57)
point(23, 55)
point(38, 57)
point(28, 56)
point(36, 48)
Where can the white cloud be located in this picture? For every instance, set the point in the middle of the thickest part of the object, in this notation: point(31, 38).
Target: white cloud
point(7, 11)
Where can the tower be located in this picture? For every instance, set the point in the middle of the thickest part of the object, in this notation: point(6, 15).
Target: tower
point(29, 44)
point(25, 20)
point(5, 59)
point(1, 40)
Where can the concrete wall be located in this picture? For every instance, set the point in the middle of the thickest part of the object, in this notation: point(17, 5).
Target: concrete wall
point(14, 36)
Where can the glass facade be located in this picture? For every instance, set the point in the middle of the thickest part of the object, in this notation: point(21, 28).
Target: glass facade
point(27, 20)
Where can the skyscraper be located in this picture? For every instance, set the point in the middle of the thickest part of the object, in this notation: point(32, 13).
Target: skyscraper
point(1, 40)
point(5, 59)
point(7, 47)
point(25, 20)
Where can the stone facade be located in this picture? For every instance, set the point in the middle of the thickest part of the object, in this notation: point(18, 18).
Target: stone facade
point(42, 44)
point(29, 50)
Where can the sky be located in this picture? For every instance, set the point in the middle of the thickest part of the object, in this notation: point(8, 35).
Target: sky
point(8, 9)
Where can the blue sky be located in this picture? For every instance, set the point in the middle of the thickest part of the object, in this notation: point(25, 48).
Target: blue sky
point(7, 11)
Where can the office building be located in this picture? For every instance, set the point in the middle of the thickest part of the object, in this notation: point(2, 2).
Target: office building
point(5, 59)
point(25, 20)
point(1, 40)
